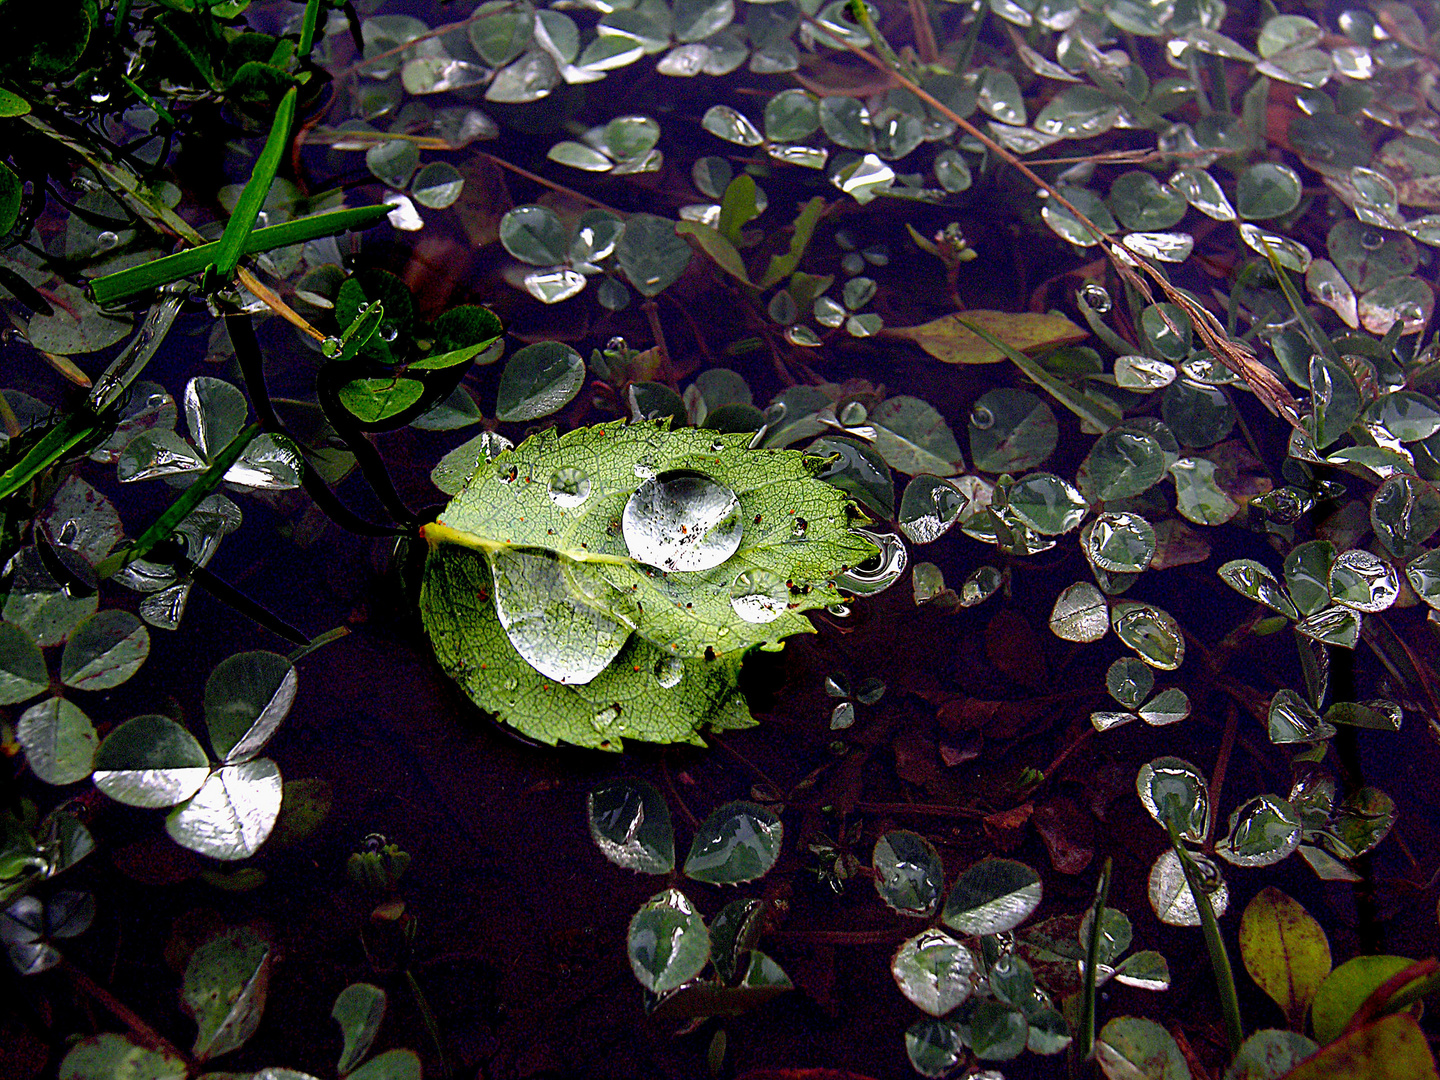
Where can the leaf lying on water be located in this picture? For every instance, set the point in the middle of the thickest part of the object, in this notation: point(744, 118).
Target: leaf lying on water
point(948, 339)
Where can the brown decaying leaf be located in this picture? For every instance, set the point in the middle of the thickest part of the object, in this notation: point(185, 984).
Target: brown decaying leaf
point(1068, 833)
point(949, 340)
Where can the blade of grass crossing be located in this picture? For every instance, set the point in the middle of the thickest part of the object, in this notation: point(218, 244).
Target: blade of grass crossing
point(242, 221)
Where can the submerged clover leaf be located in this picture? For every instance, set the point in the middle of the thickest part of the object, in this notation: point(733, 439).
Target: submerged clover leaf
point(574, 576)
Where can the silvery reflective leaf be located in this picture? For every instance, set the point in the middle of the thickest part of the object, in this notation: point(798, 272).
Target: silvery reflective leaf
point(549, 625)
point(1423, 573)
point(1150, 631)
point(1047, 503)
point(232, 813)
point(1404, 513)
point(1326, 866)
point(104, 651)
point(1171, 247)
point(1170, 788)
point(934, 1046)
point(1253, 579)
point(39, 604)
point(1142, 374)
point(731, 125)
point(1310, 68)
point(1328, 286)
point(1203, 192)
point(1078, 112)
point(929, 507)
point(842, 716)
point(156, 453)
point(737, 842)
point(29, 925)
point(554, 284)
point(1408, 301)
point(81, 519)
point(667, 941)
point(1204, 369)
point(435, 75)
point(863, 179)
point(1262, 832)
point(1362, 581)
point(1267, 189)
point(1129, 682)
point(1333, 625)
point(630, 824)
point(529, 78)
point(148, 407)
point(982, 584)
point(992, 896)
point(1377, 714)
point(1290, 254)
point(246, 697)
point(1080, 614)
point(934, 971)
point(150, 761)
point(1292, 720)
point(461, 126)
point(437, 185)
point(1170, 895)
point(908, 873)
point(807, 157)
point(269, 463)
point(1307, 575)
point(1020, 140)
point(1361, 821)
point(1105, 720)
point(402, 215)
point(1167, 707)
point(926, 580)
point(1119, 543)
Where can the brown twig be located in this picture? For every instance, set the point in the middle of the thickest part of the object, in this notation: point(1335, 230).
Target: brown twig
point(1222, 762)
point(142, 1031)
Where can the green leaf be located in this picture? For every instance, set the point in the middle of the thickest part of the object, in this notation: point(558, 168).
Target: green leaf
point(242, 221)
point(373, 401)
point(721, 250)
point(1131, 1048)
point(59, 741)
point(224, 990)
point(1011, 431)
point(1122, 464)
point(935, 1047)
point(737, 207)
point(22, 666)
point(736, 842)
point(535, 235)
point(111, 1057)
point(391, 1065)
point(104, 651)
point(908, 873)
point(651, 254)
point(539, 380)
point(782, 266)
point(150, 761)
point(1285, 951)
point(1269, 1054)
point(1345, 989)
point(934, 971)
point(246, 698)
point(912, 437)
point(1388, 1049)
point(630, 824)
point(667, 942)
point(991, 897)
point(232, 813)
point(11, 191)
point(359, 1009)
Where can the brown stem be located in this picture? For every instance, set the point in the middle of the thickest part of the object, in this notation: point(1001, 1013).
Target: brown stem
point(685, 810)
point(927, 809)
point(142, 1031)
point(1217, 778)
point(667, 369)
point(552, 185)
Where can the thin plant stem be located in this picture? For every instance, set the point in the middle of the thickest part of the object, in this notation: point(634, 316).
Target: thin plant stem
point(1085, 1029)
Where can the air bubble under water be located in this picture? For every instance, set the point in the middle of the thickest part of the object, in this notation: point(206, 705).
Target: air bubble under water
point(682, 520)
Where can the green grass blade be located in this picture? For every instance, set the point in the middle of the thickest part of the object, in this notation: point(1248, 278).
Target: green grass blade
point(1214, 943)
point(1085, 1037)
point(113, 288)
point(180, 509)
point(307, 28)
point(1092, 412)
point(53, 445)
point(242, 221)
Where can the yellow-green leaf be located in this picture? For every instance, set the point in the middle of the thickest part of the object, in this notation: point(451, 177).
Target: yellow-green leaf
point(1285, 951)
point(1345, 990)
point(1390, 1049)
point(948, 339)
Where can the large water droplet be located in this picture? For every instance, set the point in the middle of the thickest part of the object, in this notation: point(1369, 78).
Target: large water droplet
point(387, 332)
point(569, 487)
point(682, 520)
point(106, 240)
point(758, 596)
point(669, 670)
point(331, 346)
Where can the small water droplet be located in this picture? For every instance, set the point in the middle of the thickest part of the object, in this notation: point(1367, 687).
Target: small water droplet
point(716, 446)
point(798, 528)
point(1371, 239)
point(758, 596)
point(605, 718)
point(682, 520)
point(99, 97)
point(878, 572)
point(106, 240)
point(668, 671)
point(615, 344)
point(1095, 298)
point(331, 346)
point(981, 418)
point(569, 487)
point(852, 413)
point(512, 683)
point(840, 611)
point(387, 332)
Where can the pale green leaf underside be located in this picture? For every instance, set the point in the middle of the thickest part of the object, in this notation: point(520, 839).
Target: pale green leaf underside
point(631, 698)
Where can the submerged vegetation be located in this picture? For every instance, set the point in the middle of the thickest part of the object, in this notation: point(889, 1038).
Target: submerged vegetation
point(1133, 294)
